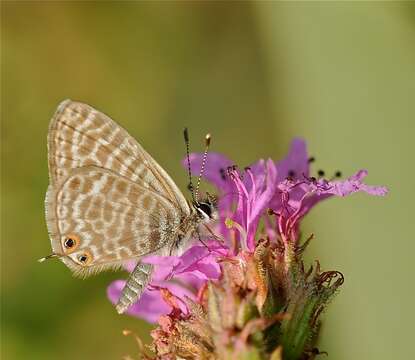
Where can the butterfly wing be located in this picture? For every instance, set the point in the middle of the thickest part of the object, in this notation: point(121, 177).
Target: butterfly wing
point(80, 135)
point(98, 219)
point(108, 200)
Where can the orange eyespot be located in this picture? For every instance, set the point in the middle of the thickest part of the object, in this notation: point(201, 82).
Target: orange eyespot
point(84, 258)
point(70, 243)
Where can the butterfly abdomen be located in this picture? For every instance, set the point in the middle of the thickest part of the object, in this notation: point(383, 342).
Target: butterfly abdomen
point(135, 286)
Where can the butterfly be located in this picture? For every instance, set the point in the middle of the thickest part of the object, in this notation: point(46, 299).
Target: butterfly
point(109, 201)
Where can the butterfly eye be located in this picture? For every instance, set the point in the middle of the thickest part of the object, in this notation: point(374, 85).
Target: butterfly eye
point(71, 242)
point(84, 258)
point(205, 209)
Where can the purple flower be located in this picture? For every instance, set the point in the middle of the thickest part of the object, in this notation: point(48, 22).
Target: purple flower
point(295, 198)
point(284, 189)
point(182, 275)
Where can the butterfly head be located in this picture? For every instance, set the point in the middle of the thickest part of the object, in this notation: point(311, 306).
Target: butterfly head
point(207, 208)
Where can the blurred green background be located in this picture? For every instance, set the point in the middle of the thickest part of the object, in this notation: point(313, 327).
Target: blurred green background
point(254, 74)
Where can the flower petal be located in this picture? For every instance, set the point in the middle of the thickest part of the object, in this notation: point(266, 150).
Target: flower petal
point(296, 161)
point(261, 202)
point(315, 191)
point(354, 184)
point(151, 305)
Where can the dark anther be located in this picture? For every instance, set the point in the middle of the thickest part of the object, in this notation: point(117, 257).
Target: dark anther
point(313, 179)
point(231, 169)
point(291, 173)
point(69, 243)
point(82, 258)
point(311, 159)
point(272, 212)
point(222, 173)
point(320, 173)
point(338, 174)
point(247, 168)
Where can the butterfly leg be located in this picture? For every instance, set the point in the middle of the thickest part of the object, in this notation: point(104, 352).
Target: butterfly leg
point(216, 237)
point(200, 239)
point(135, 286)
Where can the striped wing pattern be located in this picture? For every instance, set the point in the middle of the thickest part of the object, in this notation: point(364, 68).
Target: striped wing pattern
point(108, 200)
point(80, 135)
point(112, 218)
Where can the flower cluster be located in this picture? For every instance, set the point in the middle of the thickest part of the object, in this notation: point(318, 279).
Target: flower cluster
point(256, 268)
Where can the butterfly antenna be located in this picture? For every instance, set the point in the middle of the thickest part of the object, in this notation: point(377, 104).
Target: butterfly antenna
point(53, 255)
point(186, 140)
point(202, 168)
